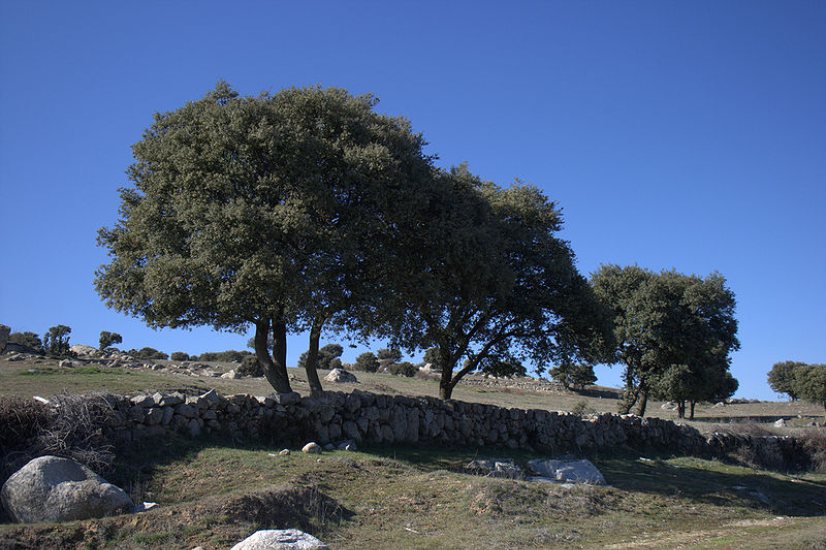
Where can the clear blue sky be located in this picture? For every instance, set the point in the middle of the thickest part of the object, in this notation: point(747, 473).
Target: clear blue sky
point(687, 135)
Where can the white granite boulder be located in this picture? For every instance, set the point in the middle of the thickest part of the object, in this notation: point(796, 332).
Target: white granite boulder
point(51, 488)
point(341, 376)
point(280, 539)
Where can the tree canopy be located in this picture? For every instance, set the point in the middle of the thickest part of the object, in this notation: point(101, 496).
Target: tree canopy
point(674, 333)
point(494, 285)
point(272, 211)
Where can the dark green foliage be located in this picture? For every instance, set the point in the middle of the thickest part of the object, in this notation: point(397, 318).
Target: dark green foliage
point(391, 355)
point(27, 339)
point(782, 378)
point(574, 375)
point(405, 368)
point(433, 358)
point(328, 357)
point(147, 353)
point(366, 362)
point(502, 367)
point(674, 333)
point(250, 367)
point(179, 356)
point(108, 339)
point(278, 211)
point(810, 383)
point(228, 356)
point(56, 340)
point(490, 278)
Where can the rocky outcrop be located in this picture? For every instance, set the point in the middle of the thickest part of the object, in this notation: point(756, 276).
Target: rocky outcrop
point(341, 376)
point(280, 539)
point(54, 489)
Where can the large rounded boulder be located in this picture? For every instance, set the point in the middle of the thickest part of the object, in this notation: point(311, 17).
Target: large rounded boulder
point(55, 489)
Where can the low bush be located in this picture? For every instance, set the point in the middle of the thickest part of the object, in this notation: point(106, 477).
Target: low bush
point(147, 353)
point(228, 356)
point(814, 441)
point(403, 369)
point(250, 367)
point(179, 356)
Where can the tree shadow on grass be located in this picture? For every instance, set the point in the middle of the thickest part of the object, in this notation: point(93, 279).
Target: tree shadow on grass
point(717, 483)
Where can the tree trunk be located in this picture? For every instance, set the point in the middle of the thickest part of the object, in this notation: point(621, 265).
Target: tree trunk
point(275, 371)
point(681, 408)
point(691, 413)
point(631, 393)
point(445, 385)
point(643, 401)
point(311, 366)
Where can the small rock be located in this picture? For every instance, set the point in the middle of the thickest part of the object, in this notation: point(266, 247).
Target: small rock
point(284, 452)
point(347, 445)
point(780, 423)
point(311, 448)
point(280, 539)
point(231, 375)
point(144, 507)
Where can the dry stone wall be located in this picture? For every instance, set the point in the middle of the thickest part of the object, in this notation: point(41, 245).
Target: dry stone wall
point(382, 419)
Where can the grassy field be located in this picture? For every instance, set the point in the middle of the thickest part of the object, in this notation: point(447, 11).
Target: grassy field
point(213, 495)
point(44, 377)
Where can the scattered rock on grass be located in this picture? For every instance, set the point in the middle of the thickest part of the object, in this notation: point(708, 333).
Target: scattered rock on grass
point(312, 448)
point(566, 471)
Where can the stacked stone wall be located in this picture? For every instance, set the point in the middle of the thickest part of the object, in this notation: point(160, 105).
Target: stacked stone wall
point(377, 419)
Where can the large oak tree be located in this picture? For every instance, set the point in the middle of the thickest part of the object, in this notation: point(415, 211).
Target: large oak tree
point(271, 211)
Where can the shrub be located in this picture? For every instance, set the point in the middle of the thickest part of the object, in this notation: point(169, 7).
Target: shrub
point(28, 340)
point(147, 353)
point(326, 356)
point(403, 369)
point(250, 367)
point(581, 408)
point(179, 356)
point(366, 362)
point(228, 356)
point(574, 376)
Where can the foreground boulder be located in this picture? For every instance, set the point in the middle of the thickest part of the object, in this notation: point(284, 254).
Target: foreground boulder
point(55, 489)
point(341, 376)
point(565, 471)
point(281, 539)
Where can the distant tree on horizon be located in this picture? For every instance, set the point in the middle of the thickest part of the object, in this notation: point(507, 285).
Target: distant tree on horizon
point(108, 339)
